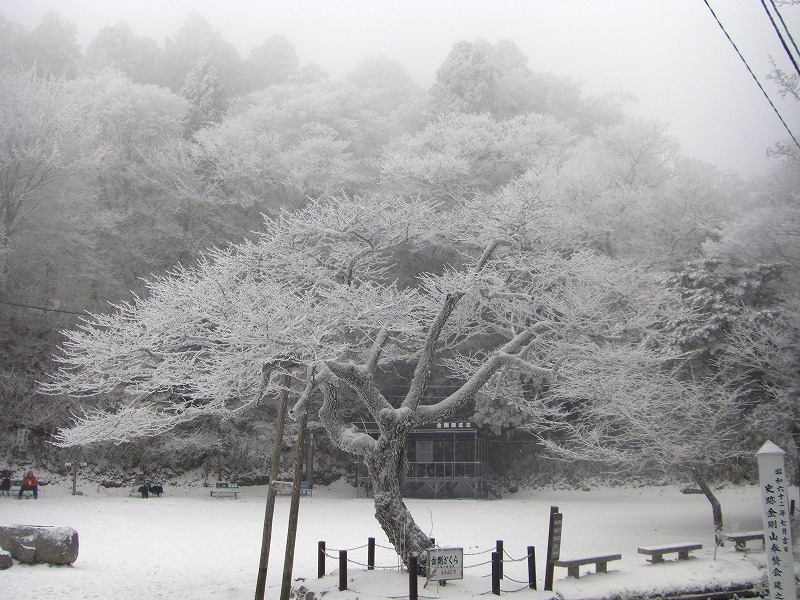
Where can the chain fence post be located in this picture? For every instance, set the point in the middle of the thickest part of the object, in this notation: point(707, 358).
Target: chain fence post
point(532, 567)
point(342, 570)
point(413, 591)
point(371, 554)
point(320, 559)
point(495, 574)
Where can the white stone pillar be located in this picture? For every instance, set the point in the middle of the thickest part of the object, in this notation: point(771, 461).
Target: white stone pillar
point(774, 483)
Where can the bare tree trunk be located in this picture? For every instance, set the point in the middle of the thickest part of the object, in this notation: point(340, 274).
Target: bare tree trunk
point(266, 536)
point(716, 507)
point(387, 467)
point(294, 508)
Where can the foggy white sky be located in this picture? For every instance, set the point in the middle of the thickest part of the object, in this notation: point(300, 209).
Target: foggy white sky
point(670, 54)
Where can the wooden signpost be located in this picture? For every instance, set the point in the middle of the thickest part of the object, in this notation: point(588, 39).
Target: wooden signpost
point(553, 546)
point(775, 504)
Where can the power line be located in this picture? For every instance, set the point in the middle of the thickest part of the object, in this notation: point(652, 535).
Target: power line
point(753, 75)
point(785, 28)
point(55, 310)
point(780, 35)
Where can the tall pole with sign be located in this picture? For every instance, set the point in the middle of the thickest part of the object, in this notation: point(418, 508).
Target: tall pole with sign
point(777, 522)
point(553, 546)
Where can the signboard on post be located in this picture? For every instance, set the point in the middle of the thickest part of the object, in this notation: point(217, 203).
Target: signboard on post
point(445, 563)
point(777, 522)
point(554, 543)
point(553, 546)
point(21, 441)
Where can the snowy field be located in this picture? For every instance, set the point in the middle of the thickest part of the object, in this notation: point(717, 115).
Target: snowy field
point(187, 545)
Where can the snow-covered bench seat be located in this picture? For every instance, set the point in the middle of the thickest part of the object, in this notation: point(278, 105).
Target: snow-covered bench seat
point(657, 553)
point(16, 485)
point(285, 487)
point(224, 489)
point(154, 488)
point(573, 565)
point(740, 538)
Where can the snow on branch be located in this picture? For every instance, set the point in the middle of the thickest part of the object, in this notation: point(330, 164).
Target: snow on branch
point(129, 423)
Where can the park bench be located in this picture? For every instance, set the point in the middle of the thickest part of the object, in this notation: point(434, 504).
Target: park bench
point(741, 538)
point(16, 485)
point(154, 488)
point(223, 489)
point(657, 553)
point(573, 564)
point(285, 487)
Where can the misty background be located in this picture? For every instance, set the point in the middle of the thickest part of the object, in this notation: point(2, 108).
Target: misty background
point(670, 55)
point(136, 136)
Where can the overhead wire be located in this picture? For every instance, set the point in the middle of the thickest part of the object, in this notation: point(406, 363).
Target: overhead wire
point(55, 310)
point(752, 74)
point(785, 27)
point(780, 35)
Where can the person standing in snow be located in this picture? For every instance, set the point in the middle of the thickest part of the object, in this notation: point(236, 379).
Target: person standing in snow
point(142, 482)
point(29, 483)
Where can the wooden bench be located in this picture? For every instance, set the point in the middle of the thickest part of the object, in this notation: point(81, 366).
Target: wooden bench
point(16, 485)
point(224, 490)
point(741, 538)
point(573, 564)
point(657, 553)
point(154, 488)
point(285, 487)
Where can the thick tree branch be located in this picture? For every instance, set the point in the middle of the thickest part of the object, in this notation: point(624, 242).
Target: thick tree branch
point(423, 370)
point(375, 352)
point(344, 436)
point(421, 374)
point(507, 355)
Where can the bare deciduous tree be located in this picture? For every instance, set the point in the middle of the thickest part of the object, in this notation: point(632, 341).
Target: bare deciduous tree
point(317, 298)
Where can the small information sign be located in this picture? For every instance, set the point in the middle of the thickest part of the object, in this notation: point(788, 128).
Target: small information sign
point(21, 441)
point(555, 537)
point(445, 563)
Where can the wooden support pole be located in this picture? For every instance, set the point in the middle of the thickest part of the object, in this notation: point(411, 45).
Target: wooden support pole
point(532, 567)
point(320, 560)
point(413, 588)
point(499, 548)
point(266, 536)
point(294, 507)
point(495, 573)
point(371, 554)
point(342, 570)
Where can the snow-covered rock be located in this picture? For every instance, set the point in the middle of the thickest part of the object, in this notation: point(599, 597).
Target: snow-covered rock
point(40, 543)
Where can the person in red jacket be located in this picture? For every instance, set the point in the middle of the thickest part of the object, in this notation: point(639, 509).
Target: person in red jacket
point(29, 482)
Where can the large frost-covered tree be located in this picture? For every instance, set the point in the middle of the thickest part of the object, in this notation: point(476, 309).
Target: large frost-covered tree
point(317, 298)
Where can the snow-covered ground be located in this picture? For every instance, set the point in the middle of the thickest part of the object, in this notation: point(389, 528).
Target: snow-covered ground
point(187, 545)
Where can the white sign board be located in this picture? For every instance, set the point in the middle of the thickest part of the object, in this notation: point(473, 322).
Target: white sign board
point(445, 563)
point(777, 524)
point(21, 441)
point(424, 451)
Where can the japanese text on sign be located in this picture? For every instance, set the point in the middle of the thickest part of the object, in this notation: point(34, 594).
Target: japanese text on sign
point(445, 563)
point(777, 525)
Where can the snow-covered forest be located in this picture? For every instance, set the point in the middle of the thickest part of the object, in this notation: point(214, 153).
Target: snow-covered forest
point(501, 246)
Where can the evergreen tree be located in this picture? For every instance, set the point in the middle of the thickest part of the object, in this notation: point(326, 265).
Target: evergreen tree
point(206, 97)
